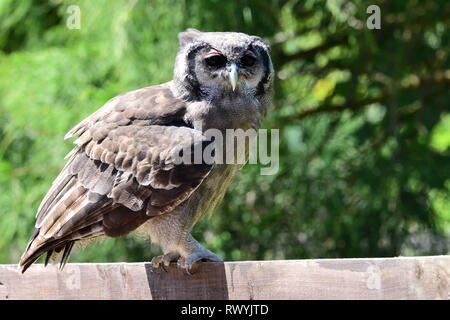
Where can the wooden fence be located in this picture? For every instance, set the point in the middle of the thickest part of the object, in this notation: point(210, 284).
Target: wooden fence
point(378, 278)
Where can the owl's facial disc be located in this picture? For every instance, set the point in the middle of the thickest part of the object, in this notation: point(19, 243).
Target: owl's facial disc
point(228, 71)
point(215, 65)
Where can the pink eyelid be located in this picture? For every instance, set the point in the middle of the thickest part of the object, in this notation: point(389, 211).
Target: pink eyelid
point(213, 52)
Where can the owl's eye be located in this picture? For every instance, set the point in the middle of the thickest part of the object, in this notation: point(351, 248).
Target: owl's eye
point(248, 59)
point(215, 60)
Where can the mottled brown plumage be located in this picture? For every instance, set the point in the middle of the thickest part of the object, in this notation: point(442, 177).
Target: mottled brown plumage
point(122, 174)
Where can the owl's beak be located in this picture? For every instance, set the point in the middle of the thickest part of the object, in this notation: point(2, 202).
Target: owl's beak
point(233, 75)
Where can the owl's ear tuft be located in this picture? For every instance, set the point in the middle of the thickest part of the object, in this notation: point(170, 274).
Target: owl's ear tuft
point(188, 36)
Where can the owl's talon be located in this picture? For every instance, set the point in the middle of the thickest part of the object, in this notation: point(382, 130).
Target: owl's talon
point(182, 267)
point(156, 261)
point(186, 264)
point(164, 260)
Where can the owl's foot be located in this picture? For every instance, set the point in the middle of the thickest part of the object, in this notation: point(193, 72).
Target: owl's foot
point(186, 253)
point(164, 260)
point(186, 264)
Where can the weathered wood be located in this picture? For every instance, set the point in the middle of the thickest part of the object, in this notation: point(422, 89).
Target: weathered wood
point(379, 278)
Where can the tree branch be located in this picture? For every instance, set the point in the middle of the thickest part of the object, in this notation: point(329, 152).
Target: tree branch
point(439, 78)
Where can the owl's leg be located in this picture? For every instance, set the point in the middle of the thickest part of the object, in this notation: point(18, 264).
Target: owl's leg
point(188, 252)
point(171, 232)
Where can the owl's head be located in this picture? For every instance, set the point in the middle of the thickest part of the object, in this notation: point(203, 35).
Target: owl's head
point(217, 64)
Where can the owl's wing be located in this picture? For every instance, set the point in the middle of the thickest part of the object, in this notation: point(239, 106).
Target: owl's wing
point(123, 170)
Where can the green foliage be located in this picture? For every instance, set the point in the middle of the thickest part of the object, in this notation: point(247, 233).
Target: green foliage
point(363, 118)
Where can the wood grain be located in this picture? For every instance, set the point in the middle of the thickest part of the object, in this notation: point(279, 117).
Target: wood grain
point(377, 278)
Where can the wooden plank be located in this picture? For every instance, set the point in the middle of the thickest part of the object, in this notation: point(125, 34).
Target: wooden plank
point(379, 278)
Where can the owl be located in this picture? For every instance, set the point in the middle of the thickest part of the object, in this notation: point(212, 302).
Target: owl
point(121, 176)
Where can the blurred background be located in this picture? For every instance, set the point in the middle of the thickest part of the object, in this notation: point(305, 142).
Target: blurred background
point(363, 116)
